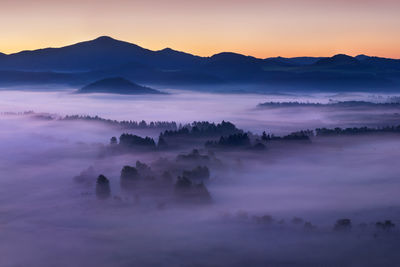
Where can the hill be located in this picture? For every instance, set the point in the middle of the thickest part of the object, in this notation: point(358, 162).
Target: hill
point(117, 85)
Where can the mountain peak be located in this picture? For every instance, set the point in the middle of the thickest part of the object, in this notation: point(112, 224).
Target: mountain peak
point(342, 56)
point(231, 56)
point(339, 59)
point(104, 37)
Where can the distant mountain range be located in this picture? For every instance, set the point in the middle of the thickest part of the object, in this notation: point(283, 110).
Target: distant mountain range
point(105, 57)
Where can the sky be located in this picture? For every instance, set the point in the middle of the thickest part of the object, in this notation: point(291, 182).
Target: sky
point(261, 28)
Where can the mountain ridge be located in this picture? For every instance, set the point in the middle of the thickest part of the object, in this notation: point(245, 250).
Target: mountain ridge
point(110, 40)
point(92, 60)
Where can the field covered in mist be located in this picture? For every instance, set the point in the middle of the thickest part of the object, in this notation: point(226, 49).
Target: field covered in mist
point(199, 194)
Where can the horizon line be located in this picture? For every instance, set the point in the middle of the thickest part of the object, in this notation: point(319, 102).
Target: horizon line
point(193, 54)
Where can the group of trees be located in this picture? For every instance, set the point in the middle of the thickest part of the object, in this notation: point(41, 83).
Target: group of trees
point(130, 176)
point(233, 140)
point(356, 131)
point(190, 191)
point(194, 155)
point(236, 139)
point(346, 225)
point(288, 104)
point(103, 190)
point(200, 173)
point(163, 125)
point(304, 135)
point(308, 134)
point(341, 225)
point(134, 141)
point(141, 179)
point(330, 104)
point(203, 129)
point(386, 225)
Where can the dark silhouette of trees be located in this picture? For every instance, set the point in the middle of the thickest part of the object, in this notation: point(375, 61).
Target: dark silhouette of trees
point(304, 135)
point(183, 183)
point(264, 219)
point(203, 129)
point(143, 169)
point(300, 135)
point(234, 140)
point(86, 177)
point(342, 225)
point(134, 141)
point(387, 225)
point(193, 156)
point(113, 140)
point(191, 192)
point(132, 177)
point(339, 104)
point(200, 173)
point(103, 190)
point(356, 131)
point(161, 125)
point(297, 220)
point(129, 177)
point(162, 144)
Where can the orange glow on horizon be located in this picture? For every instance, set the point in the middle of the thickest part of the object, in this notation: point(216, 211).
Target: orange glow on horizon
point(260, 28)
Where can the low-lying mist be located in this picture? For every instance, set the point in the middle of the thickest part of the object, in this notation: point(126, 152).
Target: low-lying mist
point(285, 205)
point(186, 106)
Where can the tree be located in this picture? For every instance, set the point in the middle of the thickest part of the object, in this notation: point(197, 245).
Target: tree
point(103, 190)
point(161, 143)
point(387, 225)
point(199, 173)
point(342, 225)
point(129, 176)
point(113, 140)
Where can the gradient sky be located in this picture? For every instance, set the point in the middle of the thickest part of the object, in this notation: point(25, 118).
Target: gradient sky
point(261, 28)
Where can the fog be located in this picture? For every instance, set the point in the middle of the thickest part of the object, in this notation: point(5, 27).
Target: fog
point(48, 217)
point(187, 106)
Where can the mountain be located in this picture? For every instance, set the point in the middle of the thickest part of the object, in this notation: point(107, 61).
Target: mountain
point(100, 53)
point(379, 62)
point(86, 62)
point(338, 60)
point(294, 61)
point(232, 67)
point(117, 85)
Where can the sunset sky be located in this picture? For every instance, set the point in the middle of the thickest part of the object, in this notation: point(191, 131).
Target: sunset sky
point(260, 28)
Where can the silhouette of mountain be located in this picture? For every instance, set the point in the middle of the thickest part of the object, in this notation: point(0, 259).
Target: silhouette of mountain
point(294, 61)
point(93, 60)
point(117, 85)
point(379, 62)
point(100, 53)
point(338, 60)
point(233, 67)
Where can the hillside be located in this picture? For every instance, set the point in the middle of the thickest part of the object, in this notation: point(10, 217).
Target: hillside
point(117, 85)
